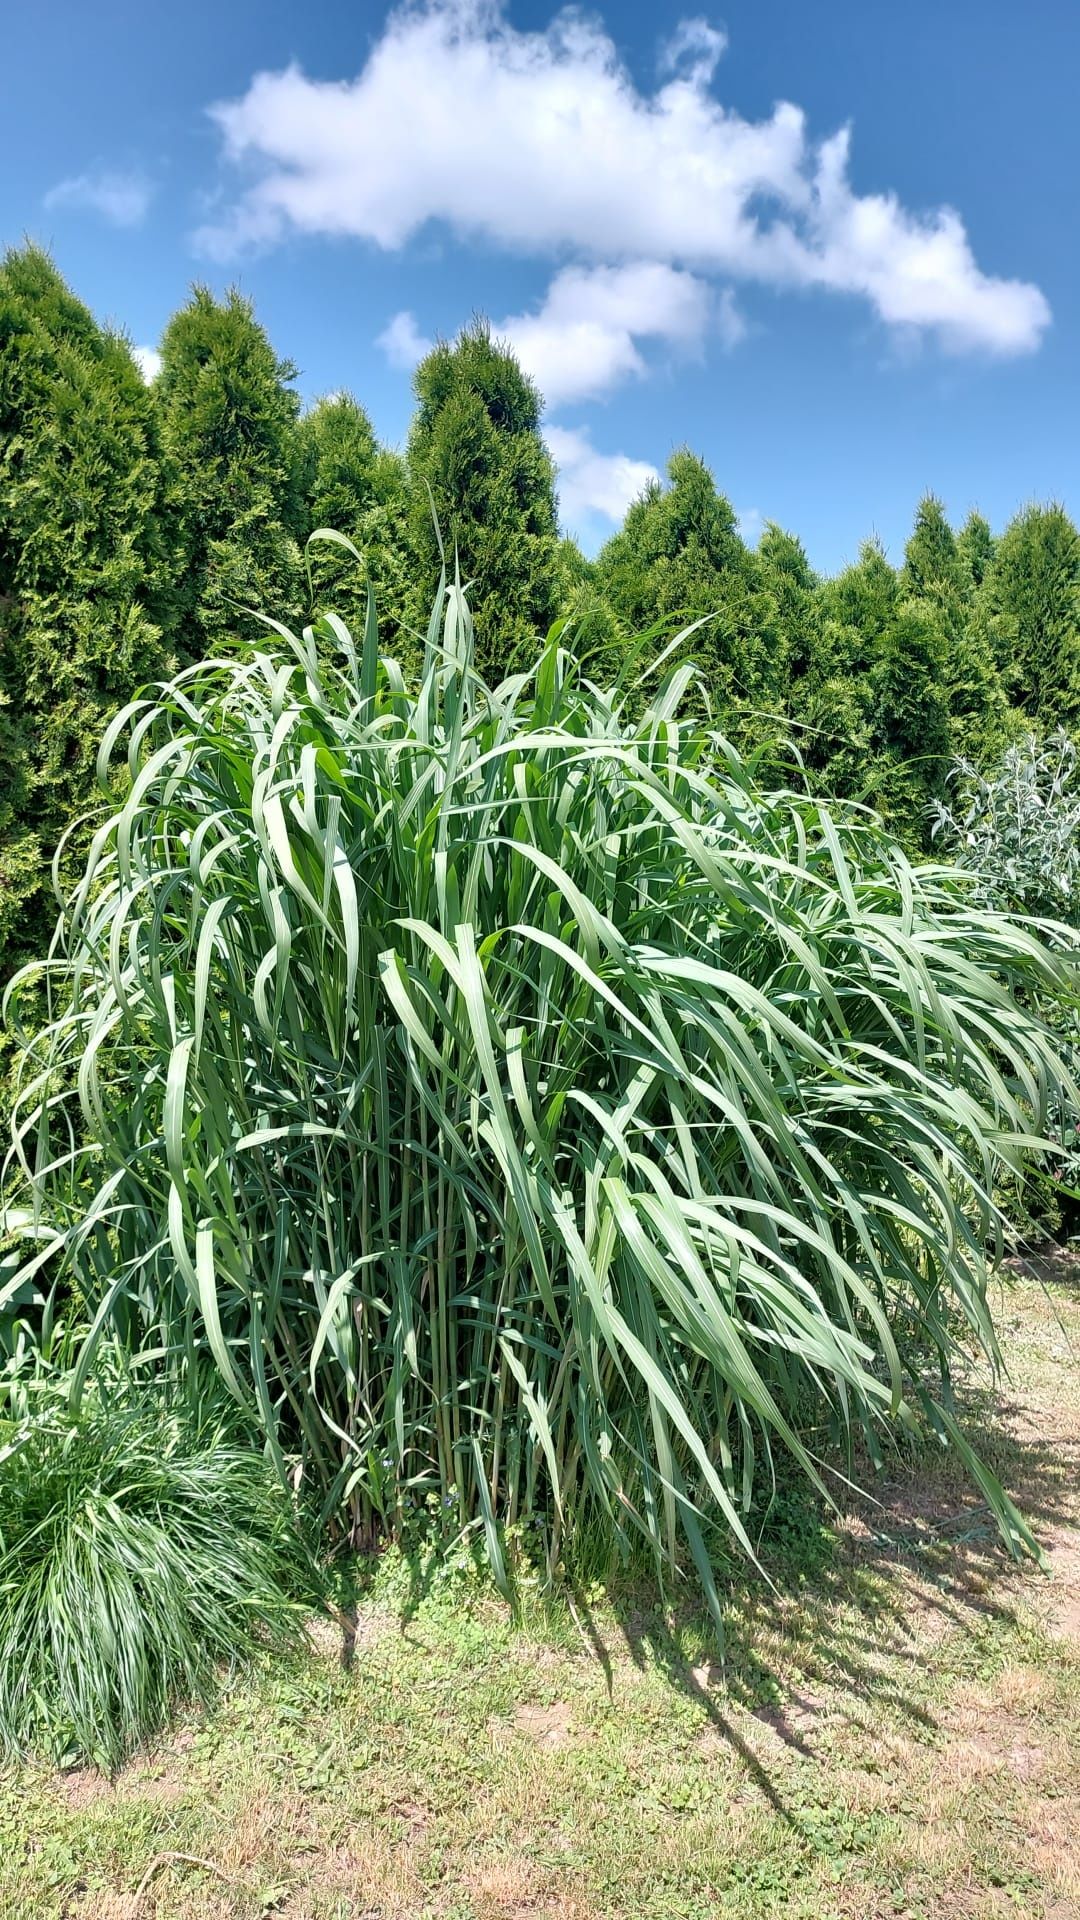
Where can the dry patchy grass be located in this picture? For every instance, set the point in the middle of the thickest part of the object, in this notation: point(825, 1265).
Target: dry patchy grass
point(894, 1738)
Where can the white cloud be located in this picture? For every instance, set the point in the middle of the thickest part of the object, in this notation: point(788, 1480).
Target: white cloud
point(916, 272)
point(121, 198)
point(403, 343)
point(583, 340)
point(542, 142)
point(592, 483)
point(730, 324)
point(148, 361)
point(695, 47)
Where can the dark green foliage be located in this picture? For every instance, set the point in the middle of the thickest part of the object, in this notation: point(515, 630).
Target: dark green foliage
point(134, 1561)
point(833, 702)
point(679, 556)
point(787, 574)
point(872, 707)
point(937, 572)
point(911, 719)
point(576, 573)
point(677, 547)
point(1031, 601)
point(22, 865)
point(482, 481)
point(231, 458)
point(338, 451)
point(862, 599)
point(357, 488)
point(975, 544)
point(932, 564)
point(598, 633)
point(84, 585)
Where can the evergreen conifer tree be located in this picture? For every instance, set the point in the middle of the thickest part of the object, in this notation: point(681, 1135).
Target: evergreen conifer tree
point(582, 602)
point(679, 555)
point(355, 487)
point(481, 481)
point(932, 566)
point(1031, 601)
point(787, 574)
point(228, 422)
point(874, 704)
point(84, 584)
point(938, 572)
point(975, 545)
point(832, 702)
point(861, 600)
point(912, 737)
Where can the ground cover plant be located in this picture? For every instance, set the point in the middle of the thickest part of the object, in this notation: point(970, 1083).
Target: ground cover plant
point(535, 1120)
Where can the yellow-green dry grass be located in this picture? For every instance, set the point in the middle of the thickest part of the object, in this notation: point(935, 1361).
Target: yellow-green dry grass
point(896, 1737)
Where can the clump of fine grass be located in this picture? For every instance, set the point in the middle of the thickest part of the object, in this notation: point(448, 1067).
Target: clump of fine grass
point(533, 1118)
point(137, 1562)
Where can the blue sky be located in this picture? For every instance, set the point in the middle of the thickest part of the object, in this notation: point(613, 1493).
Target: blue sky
point(832, 247)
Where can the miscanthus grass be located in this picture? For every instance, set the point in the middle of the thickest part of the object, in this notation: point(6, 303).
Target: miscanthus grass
point(530, 1115)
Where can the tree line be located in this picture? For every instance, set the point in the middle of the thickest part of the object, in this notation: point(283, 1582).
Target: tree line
point(137, 521)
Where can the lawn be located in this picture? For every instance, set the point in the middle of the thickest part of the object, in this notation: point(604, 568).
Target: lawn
point(896, 1735)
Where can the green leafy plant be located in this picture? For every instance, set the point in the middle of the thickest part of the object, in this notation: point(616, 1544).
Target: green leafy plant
point(521, 1106)
point(135, 1561)
point(1017, 826)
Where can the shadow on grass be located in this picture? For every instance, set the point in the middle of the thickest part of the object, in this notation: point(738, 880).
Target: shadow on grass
point(856, 1629)
point(1054, 1268)
point(855, 1600)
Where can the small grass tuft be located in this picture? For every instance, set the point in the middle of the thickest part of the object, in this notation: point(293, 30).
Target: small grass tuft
point(135, 1562)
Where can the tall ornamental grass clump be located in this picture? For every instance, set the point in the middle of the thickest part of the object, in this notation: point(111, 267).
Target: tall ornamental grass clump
point(528, 1113)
